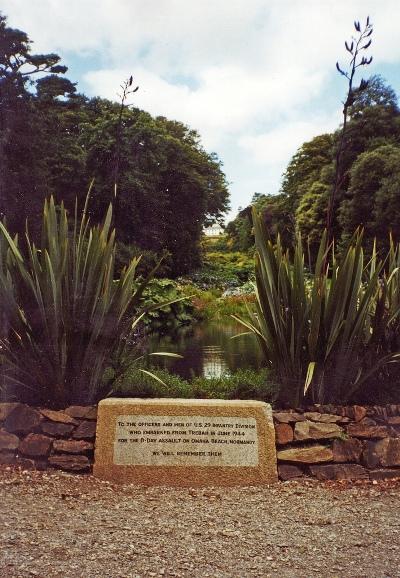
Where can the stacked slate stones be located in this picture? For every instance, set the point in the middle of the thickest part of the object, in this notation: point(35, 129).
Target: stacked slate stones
point(337, 442)
point(43, 438)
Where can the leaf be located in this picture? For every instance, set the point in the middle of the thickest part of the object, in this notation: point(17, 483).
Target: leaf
point(309, 376)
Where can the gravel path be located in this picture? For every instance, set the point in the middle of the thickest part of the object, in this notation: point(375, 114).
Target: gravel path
point(54, 524)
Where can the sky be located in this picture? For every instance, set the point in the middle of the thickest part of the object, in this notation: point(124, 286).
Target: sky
point(255, 78)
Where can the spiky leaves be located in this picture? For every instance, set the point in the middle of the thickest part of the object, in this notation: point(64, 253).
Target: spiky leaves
point(65, 312)
point(321, 333)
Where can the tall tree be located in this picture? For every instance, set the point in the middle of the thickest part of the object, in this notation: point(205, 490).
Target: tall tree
point(23, 176)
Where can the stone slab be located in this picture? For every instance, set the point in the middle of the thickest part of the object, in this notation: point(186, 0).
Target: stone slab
point(185, 442)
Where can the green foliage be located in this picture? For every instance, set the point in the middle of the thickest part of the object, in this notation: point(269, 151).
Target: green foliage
point(323, 343)
point(177, 312)
point(66, 315)
point(373, 200)
point(169, 187)
point(243, 384)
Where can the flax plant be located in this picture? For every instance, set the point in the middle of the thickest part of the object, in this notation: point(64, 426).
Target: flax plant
point(323, 333)
point(66, 315)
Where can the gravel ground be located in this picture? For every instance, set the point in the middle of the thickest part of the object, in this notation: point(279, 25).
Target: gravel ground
point(54, 524)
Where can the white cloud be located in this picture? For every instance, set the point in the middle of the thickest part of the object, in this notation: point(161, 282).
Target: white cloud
point(250, 75)
point(279, 144)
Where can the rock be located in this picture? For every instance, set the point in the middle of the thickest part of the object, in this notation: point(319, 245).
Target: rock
point(288, 416)
point(347, 450)
point(367, 431)
point(22, 419)
point(395, 420)
point(85, 431)
point(307, 455)
point(288, 472)
point(7, 458)
point(70, 463)
point(8, 441)
point(339, 472)
point(308, 430)
point(82, 411)
point(58, 416)
point(357, 412)
point(322, 417)
point(384, 453)
point(384, 474)
point(283, 433)
point(371, 457)
point(72, 446)
point(391, 454)
point(367, 421)
point(56, 429)
point(25, 463)
point(35, 445)
point(92, 412)
point(6, 409)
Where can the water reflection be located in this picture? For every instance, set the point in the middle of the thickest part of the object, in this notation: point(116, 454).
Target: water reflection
point(208, 349)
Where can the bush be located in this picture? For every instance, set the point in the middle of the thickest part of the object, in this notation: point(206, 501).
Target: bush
point(178, 311)
point(65, 314)
point(324, 335)
point(243, 384)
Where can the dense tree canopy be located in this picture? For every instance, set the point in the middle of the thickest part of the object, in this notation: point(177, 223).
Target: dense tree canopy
point(369, 193)
point(54, 141)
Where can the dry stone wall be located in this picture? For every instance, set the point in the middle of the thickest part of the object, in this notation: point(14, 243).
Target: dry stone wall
point(324, 442)
point(42, 438)
point(336, 442)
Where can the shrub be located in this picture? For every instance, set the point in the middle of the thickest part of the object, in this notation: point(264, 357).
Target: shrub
point(65, 314)
point(323, 342)
point(243, 384)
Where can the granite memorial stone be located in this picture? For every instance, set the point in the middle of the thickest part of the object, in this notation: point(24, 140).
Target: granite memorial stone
point(185, 442)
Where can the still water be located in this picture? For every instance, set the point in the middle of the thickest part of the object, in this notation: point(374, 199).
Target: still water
point(208, 349)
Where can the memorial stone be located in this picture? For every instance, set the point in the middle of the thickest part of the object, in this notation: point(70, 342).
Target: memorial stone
point(185, 442)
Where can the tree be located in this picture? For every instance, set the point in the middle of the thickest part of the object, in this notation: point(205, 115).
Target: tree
point(21, 137)
point(168, 185)
point(374, 201)
point(354, 47)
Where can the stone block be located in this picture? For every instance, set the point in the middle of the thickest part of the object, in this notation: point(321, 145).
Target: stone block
point(22, 419)
point(86, 430)
point(185, 442)
point(72, 446)
point(82, 411)
point(367, 431)
point(308, 430)
point(35, 445)
point(70, 463)
point(8, 441)
point(7, 458)
point(339, 472)
point(56, 430)
point(322, 417)
point(58, 416)
point(289, 472)
point(384, 453)
point(283, 433)
point(6, 409)
point(288, 416)
point(347, 450)
point(306, 455)
point(394, 420)
point(386, 474)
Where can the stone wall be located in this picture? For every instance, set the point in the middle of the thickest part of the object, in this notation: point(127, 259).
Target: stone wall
point(336, 442)
point(43, 438)
point(325, 442)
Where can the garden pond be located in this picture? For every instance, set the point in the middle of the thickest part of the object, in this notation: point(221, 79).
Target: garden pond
point(207, 348)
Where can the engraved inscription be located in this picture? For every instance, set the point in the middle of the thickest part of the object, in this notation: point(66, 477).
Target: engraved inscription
point(185, 441)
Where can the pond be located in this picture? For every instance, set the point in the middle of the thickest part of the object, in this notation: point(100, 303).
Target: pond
point(208, 349)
